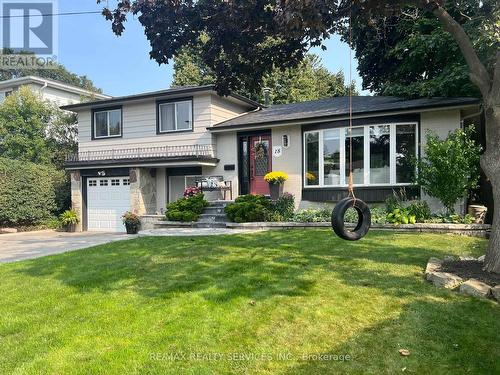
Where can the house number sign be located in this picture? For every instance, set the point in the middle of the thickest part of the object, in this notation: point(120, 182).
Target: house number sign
point(277, 151)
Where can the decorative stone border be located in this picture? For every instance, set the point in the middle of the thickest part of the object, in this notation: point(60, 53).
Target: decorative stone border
point(477, 230)
point(471, 287)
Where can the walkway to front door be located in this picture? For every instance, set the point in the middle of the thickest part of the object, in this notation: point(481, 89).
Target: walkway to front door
point(260, 163)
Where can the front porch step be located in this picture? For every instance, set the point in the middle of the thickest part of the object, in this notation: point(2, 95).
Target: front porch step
point(212, 218)
point(214, 210)
point(219, 204)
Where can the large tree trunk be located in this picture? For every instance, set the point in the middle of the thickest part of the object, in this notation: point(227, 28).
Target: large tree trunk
point(490, 162)
point(490, 90)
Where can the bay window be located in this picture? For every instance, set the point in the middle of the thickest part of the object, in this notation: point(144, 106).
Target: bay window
point(381, 155)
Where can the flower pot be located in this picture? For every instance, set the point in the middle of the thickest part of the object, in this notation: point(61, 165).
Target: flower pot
point(131, 228)
point(276, 191)
point(478, 212)
point(71, 228)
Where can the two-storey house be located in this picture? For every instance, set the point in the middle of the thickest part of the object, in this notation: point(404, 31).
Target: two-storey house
point(140, 152)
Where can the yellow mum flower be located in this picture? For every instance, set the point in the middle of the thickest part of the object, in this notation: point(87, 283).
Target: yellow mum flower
point(276, 177)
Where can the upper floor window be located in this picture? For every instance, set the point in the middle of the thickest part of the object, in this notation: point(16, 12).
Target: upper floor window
point(175, 116)
point(108, 123)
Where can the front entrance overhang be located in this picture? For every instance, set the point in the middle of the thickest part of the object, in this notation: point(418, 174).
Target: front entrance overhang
point(192, 161)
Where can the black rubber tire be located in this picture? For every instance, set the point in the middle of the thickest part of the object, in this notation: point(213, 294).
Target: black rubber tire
point(364, 219)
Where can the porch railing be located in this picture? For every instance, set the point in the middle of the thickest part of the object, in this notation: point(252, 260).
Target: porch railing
point(144, 153)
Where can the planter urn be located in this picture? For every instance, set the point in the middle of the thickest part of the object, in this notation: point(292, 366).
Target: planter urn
point(71, 228)
point(131, 228)
point(276, 191)
point(478, 212)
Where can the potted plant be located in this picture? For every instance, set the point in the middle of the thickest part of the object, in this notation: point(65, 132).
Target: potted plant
point(131, 222)
point(68, 220)
point(276, 181)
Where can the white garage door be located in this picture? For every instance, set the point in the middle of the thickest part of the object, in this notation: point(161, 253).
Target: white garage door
point(107, 200)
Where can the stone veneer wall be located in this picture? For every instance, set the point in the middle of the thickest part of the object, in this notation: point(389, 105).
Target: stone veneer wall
point(76, 198)
point(143, 190)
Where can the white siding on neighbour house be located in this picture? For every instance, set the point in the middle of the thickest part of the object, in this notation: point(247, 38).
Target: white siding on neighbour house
point(58, 97)
point(442, 123)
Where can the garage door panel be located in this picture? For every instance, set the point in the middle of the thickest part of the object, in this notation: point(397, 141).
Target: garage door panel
point(107, 200)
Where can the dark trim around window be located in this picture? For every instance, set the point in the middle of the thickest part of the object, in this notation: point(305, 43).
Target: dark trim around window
point(174, 100)
point(369, 194)
point(96, 110)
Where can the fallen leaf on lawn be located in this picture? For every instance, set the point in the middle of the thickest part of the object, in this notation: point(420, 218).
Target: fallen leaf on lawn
point(404, 352)
point(252, 303)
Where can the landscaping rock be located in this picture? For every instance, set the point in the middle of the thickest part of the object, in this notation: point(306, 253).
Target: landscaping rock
point(462, 258)
point(432, 265)
point(449, 258)
point(481, 258)
point(8, 230)
point(473, 287)
point(444, 280)
point(496, 292)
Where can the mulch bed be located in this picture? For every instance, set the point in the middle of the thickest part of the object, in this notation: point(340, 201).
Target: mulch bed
point(470, 269)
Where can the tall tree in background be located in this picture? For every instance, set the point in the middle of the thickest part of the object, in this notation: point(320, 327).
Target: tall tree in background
point(246, 39)
point(310, 80)
point(410, 54)
point(58, 73)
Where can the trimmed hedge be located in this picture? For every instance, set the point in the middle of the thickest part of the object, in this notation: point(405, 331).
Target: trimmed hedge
point(27, 192)
point(186, 209)
point(248, 208)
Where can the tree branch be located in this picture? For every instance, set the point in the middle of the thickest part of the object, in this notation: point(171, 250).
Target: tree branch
point(495, 89)
point(478, 73)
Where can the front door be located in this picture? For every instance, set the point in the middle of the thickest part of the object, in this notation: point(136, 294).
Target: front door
point(260, 163)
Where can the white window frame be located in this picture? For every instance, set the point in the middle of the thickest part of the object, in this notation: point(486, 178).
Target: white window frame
point(366, 161)
point(175, 104)
point(107, 111)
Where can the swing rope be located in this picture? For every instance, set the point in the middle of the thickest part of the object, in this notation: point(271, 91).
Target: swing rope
point(351, 182)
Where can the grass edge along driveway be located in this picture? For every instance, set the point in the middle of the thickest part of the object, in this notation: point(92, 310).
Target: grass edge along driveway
point(277, 302)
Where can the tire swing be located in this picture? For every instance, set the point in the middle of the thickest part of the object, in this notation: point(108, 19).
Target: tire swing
point(362, 209)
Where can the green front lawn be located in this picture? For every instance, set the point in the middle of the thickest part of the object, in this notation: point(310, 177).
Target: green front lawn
point(281, 302)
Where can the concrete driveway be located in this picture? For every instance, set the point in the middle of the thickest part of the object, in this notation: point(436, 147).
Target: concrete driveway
point(28, 245)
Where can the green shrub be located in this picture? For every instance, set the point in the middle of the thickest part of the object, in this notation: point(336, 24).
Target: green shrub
point(248, 208)
point(282, 209)
point(313, 215)
point(450, 167)
point(27, 193)
point(419, 209)
point(401, 216)
point(186, 209)
point(378, 215)
point(451, 219)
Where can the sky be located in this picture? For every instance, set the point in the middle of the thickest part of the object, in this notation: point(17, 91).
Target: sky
point(121, 65)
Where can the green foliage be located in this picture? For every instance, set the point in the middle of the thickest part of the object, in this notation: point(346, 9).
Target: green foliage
point(57, 73)
point(450, 167)
point(35, 130)
point(419, 209)
point(186, 209)
point(378, 215)
point(248, 208)
point(282, 209)
point(451, 219)
point(27, 193)
point(401, 216)
point(313, 215)
point(411, 55)
point(68, 217)
point(398, 41)
point(310, 80)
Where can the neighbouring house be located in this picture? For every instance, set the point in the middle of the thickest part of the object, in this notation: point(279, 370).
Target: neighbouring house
point(57, 92)
point(140, 152)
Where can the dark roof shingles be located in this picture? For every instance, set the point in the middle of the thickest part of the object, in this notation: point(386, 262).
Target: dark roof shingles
point(339, 106)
